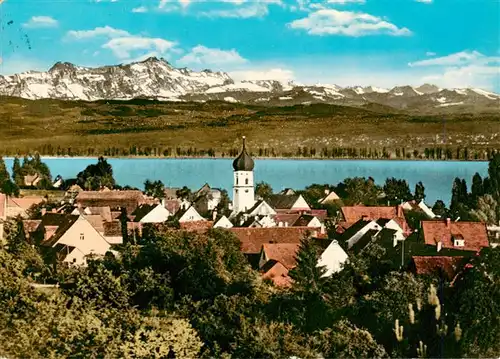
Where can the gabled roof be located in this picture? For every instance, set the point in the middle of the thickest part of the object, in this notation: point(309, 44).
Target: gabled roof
point(277, 273)
point(289, 218)
point(24, 202)
point(62, 222)
point(474, 234)
point(353, 214)
point(252, 239)
point(432, 265)
point(30, 226)
point(104, 212)
point(127, 199)
point(95, 221)
point(281, 201)
point(366, 239)
point(285, 253)
point(330, 197)
point(304, 220)
point(142, 211)
point(287, 192)
point(172, 205)
point(170, 192)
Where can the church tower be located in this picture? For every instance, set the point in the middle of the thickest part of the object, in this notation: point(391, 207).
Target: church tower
point(243, 189)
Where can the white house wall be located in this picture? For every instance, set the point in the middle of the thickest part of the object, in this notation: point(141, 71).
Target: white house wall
point(223, 222)
point(92, 243)
point(159, 214)
point(300, 204)
point(191, 215)
point(333, 258)
point(263, 209)
point(392, 224)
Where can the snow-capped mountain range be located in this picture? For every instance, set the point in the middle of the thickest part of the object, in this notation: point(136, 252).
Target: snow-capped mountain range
point(157, 79)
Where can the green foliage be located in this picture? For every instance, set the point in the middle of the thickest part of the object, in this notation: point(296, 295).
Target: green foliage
point(154, 189)
point(494, 176)
point(33, 166)
point(419, 192)
point(487, 210)
point(397, 191)
point(358, 190)
point(475, 301)
point(6, 185)
point(223, 206)
point(184, 193)
point(263, 190)
point(96, 176)
point(17, 172)
point(440, 209)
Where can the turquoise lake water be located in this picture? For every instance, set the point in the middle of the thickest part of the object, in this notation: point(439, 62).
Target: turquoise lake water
point(437, 176)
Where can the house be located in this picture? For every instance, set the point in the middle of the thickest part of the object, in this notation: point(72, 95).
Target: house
point(252, 239)
point(74, 232)
point(32, 180)
point(170, 193)
point(129, 200)
point(172, 205)
point(206, 199)
point(288, 203)
point(332, 258)
point(223, 222)
point(261, 208)
point(147, 213)
point(308, 220)
point(419, 206)
point(330, 197)
point(20, 206)
point(191, 215)
point(437, 265)
point(365, 230)
point(466, 236)
point(58, 182)
point(257, 222)
point(352, 214)
point(276, 259)
point(286, 219)
point(287, 192)
point(105, 221)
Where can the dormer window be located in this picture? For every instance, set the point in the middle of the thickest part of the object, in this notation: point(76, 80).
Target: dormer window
point(459, 243)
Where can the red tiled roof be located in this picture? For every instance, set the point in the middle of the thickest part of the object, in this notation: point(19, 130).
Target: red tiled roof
point(104, 212)
point(196, 226)
point(289, 218)
point(284, 253)
point(353, 214)
point(475, 234)
point(95, 221)
point(252, 239)
point(429, 265)
point(24, 202)
point(278, 274)
point(127, 199)
point(30, 226)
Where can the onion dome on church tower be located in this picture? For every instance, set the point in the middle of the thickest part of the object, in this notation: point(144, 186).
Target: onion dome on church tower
point(243, 162)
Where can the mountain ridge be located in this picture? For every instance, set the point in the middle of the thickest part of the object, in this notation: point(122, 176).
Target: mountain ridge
point(155, 78)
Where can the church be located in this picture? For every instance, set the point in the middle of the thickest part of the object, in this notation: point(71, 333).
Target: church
point(243, 188)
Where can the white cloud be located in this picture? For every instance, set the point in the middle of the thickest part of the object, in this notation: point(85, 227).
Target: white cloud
point(140, 9)
point(430, 53)
point(347, 23)
point(124, 47)
point(201, 55)
point(256, 8)
point(462, 69)
point(41, 21)
point(106, 31)
point(424, 1)
point(278, 74)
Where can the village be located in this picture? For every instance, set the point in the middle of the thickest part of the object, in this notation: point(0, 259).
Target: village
point(87, 224)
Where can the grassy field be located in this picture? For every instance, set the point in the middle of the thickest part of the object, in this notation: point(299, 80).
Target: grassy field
point(82, 128)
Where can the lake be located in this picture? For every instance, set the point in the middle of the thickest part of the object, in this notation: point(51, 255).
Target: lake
point(437, 176)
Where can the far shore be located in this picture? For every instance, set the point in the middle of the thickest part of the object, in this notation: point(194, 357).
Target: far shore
point(255, 157)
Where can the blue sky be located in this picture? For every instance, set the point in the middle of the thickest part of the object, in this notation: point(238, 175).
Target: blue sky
point(451, 43)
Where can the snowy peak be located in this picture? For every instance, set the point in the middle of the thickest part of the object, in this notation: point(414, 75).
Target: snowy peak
point(156, 78)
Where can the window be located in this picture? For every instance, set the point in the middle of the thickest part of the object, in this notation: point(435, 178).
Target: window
point(235, 191)
point(246, 191)
point(82, 236)
point(236, 180)
point(246, 180)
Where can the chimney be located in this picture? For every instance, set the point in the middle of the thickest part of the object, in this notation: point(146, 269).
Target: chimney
point(214, 215)
point(448, 222)
point(163, 202)
point(44, 210)
point(439, 246)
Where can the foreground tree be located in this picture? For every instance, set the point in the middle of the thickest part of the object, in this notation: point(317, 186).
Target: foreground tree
point(263, 190)
point(154, 189)
point(96, 176)
point(6, 185)
point(419, 192)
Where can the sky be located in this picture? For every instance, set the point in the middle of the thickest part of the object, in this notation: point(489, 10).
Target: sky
point(384, 43)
